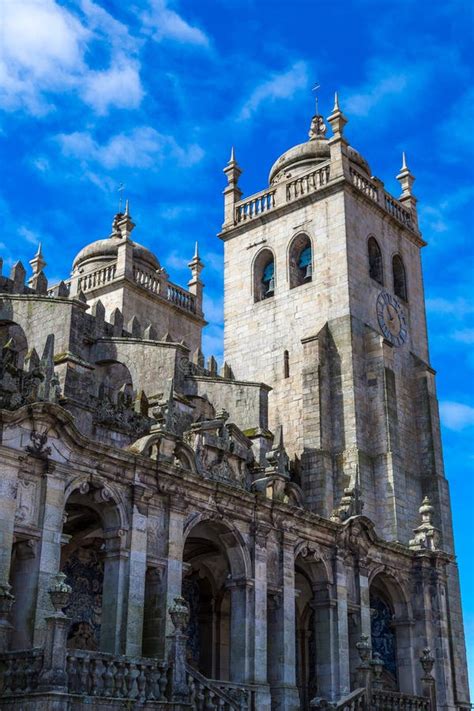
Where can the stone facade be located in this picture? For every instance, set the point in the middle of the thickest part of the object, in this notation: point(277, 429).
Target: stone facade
point(273, 536)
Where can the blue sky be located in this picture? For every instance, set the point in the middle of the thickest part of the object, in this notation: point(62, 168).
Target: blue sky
point(153, 93)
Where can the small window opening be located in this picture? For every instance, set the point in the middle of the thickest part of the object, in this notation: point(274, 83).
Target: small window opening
point(399, 278)
point(286, 364)
point(375, 261)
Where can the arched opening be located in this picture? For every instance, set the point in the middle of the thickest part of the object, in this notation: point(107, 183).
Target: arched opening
point(399, 277)
point(264, 275)
point(286, 364)
point(13, 344)
point(215, 591)
point(313, 629)
point(300, 261)
point(114, 382)
point(82, 560)
point(391, 633)
point(375, 260)
point(90, 557)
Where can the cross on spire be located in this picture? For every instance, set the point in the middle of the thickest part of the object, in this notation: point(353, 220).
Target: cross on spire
point(315, 89)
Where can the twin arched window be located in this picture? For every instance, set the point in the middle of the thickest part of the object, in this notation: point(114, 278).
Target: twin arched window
point(376, 269)
point(300, 268)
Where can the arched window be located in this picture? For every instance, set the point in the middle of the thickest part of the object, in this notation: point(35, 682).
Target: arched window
point(375, 260)
point(383, 634)
point(399, 277)
point(264, 275)
point(301, 261)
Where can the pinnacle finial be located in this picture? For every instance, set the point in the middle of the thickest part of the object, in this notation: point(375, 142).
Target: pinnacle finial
point(232, 155)
point(336, 102)
point(127, 208)
point(404, 161)
point(39, 251)
point(196, 250)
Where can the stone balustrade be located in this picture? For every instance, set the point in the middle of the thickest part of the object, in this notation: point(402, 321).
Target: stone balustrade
point(146, 279)
point(216, 695)
point(307, 183)
point(19, 671)
point(394, 208)
point(101, 674)
point(97, 278)
point(383, 700)
point(255, 206)
point(181, 298)
point(267, 200)
point(365, 185)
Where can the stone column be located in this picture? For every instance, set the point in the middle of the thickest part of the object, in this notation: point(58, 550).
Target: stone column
point(49, 547)
point(6, 603)
point(428, 684)
point(179, 617)
point(8, 488)
point(114, 591)
point(259, 622)
point(136, 575)
point(174, 571)
point(24, 578)
point(239, 663)
point(342, 625)
point(53, 676)
point(326, 649)
point(282, 673)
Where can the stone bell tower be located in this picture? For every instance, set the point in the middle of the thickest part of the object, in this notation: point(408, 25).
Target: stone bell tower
point(324, 302)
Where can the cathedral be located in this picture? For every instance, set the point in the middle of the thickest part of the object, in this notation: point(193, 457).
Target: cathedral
point(271, 535)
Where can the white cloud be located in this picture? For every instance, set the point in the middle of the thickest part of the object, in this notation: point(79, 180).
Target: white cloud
point(453, 132)
point(118, 86)
point(377, 89)
point(456, 415)
point(143, 147)
point(164, 23)
point(175, 260)
point(279, 86)
point(43, 53)
point(29, 235)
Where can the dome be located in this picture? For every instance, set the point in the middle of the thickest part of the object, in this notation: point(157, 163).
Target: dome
point(300, 158)
point(106, 249)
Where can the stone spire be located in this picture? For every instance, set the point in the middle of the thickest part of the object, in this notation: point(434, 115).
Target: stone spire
point(38, 280)
point(38, 263)
point(406, 180)
point(232, 192)
point(337, 120)
point(123, 223)
point(195, 284)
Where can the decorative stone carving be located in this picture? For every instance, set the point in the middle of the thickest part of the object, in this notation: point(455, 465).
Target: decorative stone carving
point(38, 447)
point(427, 536)
point(26, 502)
point(427, 661)
point(60, 592)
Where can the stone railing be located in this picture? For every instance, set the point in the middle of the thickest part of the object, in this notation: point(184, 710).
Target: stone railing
point(19, 671)
point(181, 297)
point(395, 701)
point(215, 695)
point(254, 206)
point(101, 674)
point(365, 185)
point(146, 279)
point(99, 277)
point(384, 199)
point(394, 208)
point(307, 183)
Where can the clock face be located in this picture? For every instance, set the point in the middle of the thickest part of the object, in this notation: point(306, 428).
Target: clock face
point(391, 319)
